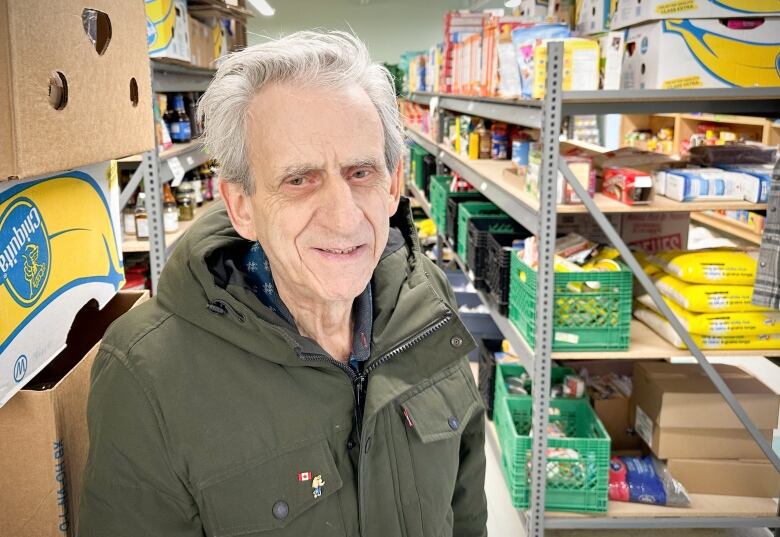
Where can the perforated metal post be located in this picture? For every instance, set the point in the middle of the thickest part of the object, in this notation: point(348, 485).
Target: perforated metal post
point(154, 211)
point(551, 125)
point(439, 171)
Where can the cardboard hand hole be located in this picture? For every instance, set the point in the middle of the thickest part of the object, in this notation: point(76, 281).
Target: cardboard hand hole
point(97, 26)
point(134, 91)
point(58, 90)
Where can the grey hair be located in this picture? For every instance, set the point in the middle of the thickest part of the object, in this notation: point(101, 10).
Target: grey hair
point(322, 59)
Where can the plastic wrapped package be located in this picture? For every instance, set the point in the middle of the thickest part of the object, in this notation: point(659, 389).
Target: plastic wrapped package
point(708, 155)
point(707, 298)
point(753, 323)
point(740, 342)
point(645, 480)
point(731, 267)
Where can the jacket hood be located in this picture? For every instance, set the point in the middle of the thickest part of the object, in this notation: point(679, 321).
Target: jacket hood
point(202, 284)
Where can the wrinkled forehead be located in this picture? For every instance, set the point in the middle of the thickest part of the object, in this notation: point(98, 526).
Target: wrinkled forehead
point(290, 125)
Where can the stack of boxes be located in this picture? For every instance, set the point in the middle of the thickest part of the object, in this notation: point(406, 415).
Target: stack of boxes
point(683, 419)
point(60, 238)
point(713, 43)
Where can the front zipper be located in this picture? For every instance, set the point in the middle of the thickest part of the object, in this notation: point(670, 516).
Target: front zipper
point(360, 381)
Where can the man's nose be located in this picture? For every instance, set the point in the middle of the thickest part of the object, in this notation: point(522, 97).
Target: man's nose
point(338, 209)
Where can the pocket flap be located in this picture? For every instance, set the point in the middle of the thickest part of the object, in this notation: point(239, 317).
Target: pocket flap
point(272, 493)
point(442, 409)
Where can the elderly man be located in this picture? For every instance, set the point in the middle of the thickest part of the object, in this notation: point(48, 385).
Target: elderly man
point(302, 370)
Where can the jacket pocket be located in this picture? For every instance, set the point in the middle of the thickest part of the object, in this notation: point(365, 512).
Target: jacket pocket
point(290, 493)
point(435, 415)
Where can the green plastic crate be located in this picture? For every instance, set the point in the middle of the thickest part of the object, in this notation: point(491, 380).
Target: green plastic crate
point(582, 321)
point(440, 193)
point(417, 166)
point(573, 484)
point(472, 209)
point(515, 370)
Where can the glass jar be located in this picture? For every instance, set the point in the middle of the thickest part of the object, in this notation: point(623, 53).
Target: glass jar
point(128, 219)
point(185, 197)
point(170, 217)
point(141, 218)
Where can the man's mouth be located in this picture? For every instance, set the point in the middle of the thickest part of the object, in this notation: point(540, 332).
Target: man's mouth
point(339, 250)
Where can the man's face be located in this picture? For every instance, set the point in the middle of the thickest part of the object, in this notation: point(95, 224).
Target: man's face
point(323, 194)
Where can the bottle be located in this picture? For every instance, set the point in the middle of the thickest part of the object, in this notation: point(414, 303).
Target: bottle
point(168, 113)
point(141, 218)
point(128, 218)
point(181, 131)
point(484, 140)
point(197, 186)
point(170, 210)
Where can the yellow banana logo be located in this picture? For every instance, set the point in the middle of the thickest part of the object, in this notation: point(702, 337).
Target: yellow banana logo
point(55, 234)
point(749, 6)
point(160, 19)
point(732, 61)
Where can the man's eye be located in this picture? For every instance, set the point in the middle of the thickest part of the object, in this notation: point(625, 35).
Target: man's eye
point(360, 174)
point(296, 181)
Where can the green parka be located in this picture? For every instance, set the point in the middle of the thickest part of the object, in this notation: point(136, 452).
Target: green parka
point(209, 416)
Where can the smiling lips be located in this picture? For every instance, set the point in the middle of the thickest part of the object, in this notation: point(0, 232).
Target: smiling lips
point(341, 253)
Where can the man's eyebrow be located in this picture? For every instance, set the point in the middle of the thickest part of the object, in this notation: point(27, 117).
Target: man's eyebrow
point(297, 170)
point(361, 163)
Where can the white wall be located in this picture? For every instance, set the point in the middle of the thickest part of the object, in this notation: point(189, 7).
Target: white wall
point(389, 27)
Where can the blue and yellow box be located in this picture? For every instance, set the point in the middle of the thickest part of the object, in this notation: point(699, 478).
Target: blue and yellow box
point(60, 248)
point(702, 53)
point(632, 12)
point(167, 32)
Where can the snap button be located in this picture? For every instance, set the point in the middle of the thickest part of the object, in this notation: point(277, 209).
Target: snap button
point(350, 444)
point(453, 421)
point(763, 264)
point(368, 443)
point(456, 341)
point(281, 510)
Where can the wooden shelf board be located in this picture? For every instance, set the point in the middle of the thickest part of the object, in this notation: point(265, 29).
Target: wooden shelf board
point(727, 225)
point(723, 118)
point(173, 151)
point(494, 170)
point(131, 244)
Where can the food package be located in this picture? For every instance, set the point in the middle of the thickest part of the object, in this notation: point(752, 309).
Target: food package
point(741, 342)
point(629, 186)
point(581, 59)
point(525, 41)
point(735, 154)
point(564, 468)
point(707, 184)
point(754, 323)
point(707, 298)
point(645, 480)
point(730, 267)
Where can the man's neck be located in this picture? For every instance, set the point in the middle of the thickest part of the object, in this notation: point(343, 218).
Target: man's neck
point(330, 324)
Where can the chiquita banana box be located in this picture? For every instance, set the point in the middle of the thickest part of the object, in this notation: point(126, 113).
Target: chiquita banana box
point(632, 12)
point(60, 247)
point(702, 53)
point(167, 35)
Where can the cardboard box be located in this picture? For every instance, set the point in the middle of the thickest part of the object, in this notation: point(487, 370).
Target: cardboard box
point(44, 440)
point(753, 478)
point(707, 54)
point(655, 232)
point(593, 16)
point(60, 247)
point(580, 166)
point(628, 186)
point(586, 226)
point(167, 32)
point(202, 52)
point(686, 443)
point(581, 59)
point(612, 46)
point(632, 12)
point(682, 396)
point(702, 184)
point(100, 106)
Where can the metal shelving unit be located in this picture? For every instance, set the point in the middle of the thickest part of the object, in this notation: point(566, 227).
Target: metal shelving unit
point(539, 216)
point(158, 167)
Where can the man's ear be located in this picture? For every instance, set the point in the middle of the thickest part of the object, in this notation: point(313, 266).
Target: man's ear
point(396, 185)
point(240, 209)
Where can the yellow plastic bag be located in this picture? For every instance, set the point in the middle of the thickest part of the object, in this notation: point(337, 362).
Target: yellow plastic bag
point(742, 342)
point(721, 324)
point(731, 267)
point(707, 298)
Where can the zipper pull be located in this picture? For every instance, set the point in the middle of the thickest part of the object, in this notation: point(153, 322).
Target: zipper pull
point(408, 417)
point(358, 385)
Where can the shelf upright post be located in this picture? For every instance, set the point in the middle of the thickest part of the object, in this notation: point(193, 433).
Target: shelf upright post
point(154, 210)
point(548, 179)
point(439, 171)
